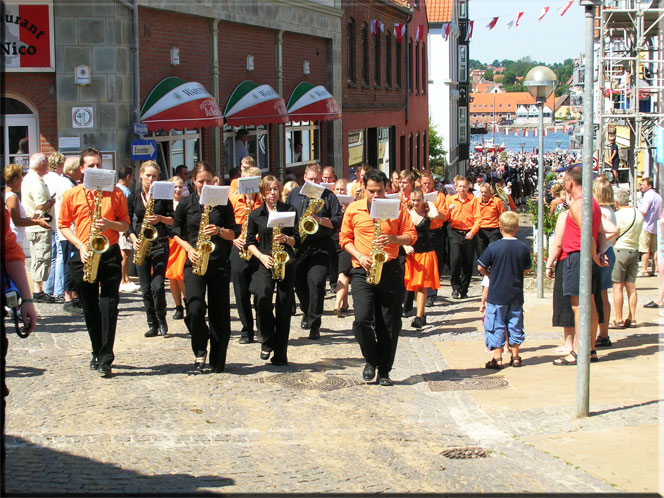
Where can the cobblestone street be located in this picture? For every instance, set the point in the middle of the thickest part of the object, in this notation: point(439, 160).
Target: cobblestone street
point(314, 426)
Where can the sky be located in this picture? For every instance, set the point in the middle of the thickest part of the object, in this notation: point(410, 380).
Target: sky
point(554, 39)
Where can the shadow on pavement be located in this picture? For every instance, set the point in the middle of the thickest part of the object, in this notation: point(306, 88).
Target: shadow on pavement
point(82, 475)
point(626, 407)
point(18, 371)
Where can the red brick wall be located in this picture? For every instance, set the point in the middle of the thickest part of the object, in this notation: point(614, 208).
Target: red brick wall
point(39, 90)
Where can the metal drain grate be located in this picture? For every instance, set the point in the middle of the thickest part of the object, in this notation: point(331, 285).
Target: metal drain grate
point(304, 381)
point(467, 384)
point(464, 453)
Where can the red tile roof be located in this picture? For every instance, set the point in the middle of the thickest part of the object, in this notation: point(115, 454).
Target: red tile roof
point(440, 10)
point(505, 102)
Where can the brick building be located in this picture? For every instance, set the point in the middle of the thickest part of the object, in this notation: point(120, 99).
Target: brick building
point(506, 105)
point(384, 80)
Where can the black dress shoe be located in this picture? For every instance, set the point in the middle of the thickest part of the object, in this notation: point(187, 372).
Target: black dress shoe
point(153, 332)
point(70, 308)
point(314, 334)
point(419, 322)
point(246, 340)
point(42, 297)
point(265, 355)
point(304, 323)
point(104, 370)
point(179, 313)
point(456, 294)
point(407, 313)
point(384, 380)
point(369, 372)
point(199, 364)
point(163, 328)
point(94, 363)
point(651, 304)
point(430, 301)
point(279, 363)
point(464, 295)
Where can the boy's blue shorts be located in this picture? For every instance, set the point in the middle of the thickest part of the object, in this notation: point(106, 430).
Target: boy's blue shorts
point(502, 319)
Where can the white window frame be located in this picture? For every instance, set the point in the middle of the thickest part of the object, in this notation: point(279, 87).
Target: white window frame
point(254, 131)
point(190, 156)
point(463, 125)
point(463, 63)
point(302, 127)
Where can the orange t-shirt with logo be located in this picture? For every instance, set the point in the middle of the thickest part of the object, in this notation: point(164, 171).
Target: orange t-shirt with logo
point(490, 212)
point(463, 215)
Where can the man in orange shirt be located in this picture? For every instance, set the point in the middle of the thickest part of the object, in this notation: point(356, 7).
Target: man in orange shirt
point(377, 321)
point(100, 307)
point(491, 207)
point(463, 212)
point(436, 228)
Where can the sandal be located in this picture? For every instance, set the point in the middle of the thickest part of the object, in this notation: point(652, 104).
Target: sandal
point(617, 325)
point(603, 342)
point(593, 356)
point(515, 361)
point(564, 361)
point(494, 364)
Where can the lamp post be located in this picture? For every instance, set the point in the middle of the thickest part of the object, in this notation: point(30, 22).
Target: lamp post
point(522, 144)
point(540, 82)
point(559, 142)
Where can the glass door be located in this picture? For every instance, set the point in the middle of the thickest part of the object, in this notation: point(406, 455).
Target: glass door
point(20, 139)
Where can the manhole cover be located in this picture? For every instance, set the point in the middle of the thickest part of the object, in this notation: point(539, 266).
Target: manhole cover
point(463, 453)
point(468, 384)
point(304, 381)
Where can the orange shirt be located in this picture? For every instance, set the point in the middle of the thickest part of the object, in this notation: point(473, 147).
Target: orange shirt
point(11, 250)
point(357, 186)
point(77, 205)
point(234, 186)
point(239, 203)
point(440, 206)
point(357, 227)
point(463, 215)
point(490, 212)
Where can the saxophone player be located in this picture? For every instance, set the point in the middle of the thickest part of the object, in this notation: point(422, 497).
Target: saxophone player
point(314, 254)
point(100, 298)
point(221, 229)
point(273, 325)
point(242, 269)
point(152, 272)
point(377, 308)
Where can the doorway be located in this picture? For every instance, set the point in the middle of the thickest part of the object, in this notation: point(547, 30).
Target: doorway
point(20, 134)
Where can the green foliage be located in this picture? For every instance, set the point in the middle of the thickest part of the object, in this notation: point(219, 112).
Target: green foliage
point(513, 69)
point(488, 75)
point(437, 161)
point(550, 176)
point(549, 219)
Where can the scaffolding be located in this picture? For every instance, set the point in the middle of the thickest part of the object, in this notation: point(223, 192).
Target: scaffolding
point(630, 79)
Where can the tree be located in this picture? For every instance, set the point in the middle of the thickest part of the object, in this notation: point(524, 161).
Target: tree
point(488, 75)
point(437, 152)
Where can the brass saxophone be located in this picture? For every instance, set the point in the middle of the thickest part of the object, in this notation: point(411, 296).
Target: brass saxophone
point(147, 236)
point(279, 256)
point(244, 252)
point(204, 246)
point(98, 243)
point(308, 225)
point(378, 256)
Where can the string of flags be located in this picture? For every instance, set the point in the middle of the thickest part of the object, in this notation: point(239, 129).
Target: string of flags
point(508, 130)
point(399, 30)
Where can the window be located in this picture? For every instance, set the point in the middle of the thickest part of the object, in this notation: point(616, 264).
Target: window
point(177, 147)
point(425, 155)
point(417, 67)
point(355, 148)
point(365, 54)
point(257, 145)
point(463, 125)
point(463, 63)
point(417, 150)
point(462, 9)
point(302, 142)
point(424, 69)
point(377, 59)
point(410, 65)
point(20, 135)
point(398, 62)
point(388, 60)
point(410, 151)
point(351, 51)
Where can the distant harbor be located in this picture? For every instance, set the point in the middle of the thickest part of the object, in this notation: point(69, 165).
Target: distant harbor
point(513, 142)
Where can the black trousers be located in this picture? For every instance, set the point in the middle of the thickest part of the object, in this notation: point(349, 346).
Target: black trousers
point(377, 308)
point(100, 300)
point(484, 237)
point(216, 281)
point(241, 274)
point(462, 255)
point(310, 272)
point(273, 323)
point(151, 276)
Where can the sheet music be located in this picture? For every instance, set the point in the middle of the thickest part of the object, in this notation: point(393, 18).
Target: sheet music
point(393, 196)
point(385, 209)
point(286, 219)
point(248, 185)
point(214, 196)
point(162, 190)
point(329, 186)
point(345, 199)
point(312, 190)
point(431, 197)
point(450, 189)
point(99, 179)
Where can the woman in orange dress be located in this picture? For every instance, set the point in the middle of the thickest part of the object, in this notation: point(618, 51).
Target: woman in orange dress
point(176, 259)
point(421, 269)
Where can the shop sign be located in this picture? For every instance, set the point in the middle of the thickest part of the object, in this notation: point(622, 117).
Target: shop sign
point(28, 44)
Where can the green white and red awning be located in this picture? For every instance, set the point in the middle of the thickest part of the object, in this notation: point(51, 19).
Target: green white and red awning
point(254, 104)
point(177, 104)
point(312, 103)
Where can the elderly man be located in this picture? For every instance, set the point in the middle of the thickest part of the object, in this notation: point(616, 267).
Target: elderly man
point(37, 200)
point(650, 207)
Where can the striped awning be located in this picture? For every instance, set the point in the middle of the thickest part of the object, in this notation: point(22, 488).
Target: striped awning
point(312, 103)
point(254, 104)
point(177, 104)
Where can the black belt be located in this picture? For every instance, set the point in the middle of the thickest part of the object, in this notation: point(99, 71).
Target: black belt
point(460, 231)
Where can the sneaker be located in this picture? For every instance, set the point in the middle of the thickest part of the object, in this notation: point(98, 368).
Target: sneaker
point(59, 299)
point(179, 313)
point(418, 323)
point(128, 287)
point(71, 308)
point(42, 297)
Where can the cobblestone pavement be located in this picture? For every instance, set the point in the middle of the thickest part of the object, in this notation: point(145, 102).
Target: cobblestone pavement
point(314, 426)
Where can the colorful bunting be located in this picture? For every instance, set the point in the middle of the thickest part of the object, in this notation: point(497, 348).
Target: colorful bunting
point(399, 32)
point(565, 8)
point(545, 10)
point(469, 35)
point(492, 24)
point(376, 26)
point(419, 33)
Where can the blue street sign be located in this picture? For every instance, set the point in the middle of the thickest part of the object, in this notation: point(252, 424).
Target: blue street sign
point(143, 150)
point(140, 128)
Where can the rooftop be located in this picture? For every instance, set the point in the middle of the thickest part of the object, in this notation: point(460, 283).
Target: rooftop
point(440, 10)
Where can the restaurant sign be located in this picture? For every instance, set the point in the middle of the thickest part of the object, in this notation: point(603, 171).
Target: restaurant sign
point(28, 43)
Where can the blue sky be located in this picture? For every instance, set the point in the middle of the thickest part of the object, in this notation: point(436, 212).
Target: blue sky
point(554, 39)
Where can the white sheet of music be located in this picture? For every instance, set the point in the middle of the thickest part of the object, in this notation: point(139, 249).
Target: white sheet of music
point(99, 179)
point(312, 190)
point(329, 186)
point(431, 197)
point(345, 199)
point(248, 184)
point(213, 195)
point(393, 196)
point(162, 190)
point(385, 209)
point(283, 219)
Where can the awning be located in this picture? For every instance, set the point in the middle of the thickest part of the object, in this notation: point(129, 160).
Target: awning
point(312, 103)
point(176, 103)
point(255, 104)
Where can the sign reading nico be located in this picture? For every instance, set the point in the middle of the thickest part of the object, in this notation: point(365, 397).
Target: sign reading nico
point(143, 150)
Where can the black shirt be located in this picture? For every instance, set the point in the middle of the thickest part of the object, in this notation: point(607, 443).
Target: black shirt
point(259, 235)
point(188, 219)
point(331, 209)
point(615, 162)
point(136, 208)
point(423, 243)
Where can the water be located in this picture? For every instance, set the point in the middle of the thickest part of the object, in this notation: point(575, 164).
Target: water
point(513, 143)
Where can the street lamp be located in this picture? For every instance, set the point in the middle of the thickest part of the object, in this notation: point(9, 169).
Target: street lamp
point(522, 144)
point(559, 142)
point(540, 82)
